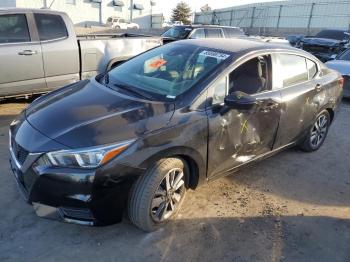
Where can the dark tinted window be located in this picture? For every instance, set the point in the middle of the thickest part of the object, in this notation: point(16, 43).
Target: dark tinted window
point(332, 34)
point(312, 68)
point(14, 29)
point(291, 70)
point(233, 32)
point(50, 26)
point(213, 33)
point(178, 32)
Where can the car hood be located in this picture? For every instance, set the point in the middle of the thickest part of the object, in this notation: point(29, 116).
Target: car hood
point(342, 66)
point(88, 114)
point(321, 41)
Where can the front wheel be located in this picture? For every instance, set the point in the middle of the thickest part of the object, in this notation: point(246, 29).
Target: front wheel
point(317, 134)
point(156, 197)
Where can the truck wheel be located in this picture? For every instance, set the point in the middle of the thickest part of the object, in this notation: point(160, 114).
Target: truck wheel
point(317, 134)
point(156, 197)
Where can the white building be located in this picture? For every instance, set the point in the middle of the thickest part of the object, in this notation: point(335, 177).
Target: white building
point(93, 12)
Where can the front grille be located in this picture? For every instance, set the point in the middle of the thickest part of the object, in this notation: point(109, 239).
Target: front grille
point(76, 213)
point(316, 49)
point(19, 152)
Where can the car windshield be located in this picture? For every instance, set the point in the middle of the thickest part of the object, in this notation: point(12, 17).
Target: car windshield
point(178, 32)
point(332, 34)
point(167, 71)
point(344, 56)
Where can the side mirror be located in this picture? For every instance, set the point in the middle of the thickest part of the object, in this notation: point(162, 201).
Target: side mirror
point(240, 100)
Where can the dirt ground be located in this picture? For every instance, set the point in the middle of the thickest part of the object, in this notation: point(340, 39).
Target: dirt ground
point(294, 206)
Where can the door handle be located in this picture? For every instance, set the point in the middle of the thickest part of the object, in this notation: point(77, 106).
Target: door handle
point(28, 52)
point(318, 87)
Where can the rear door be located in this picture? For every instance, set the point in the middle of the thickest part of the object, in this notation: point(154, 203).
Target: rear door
point(21, 66)
point(298, 78)
point(60, 49)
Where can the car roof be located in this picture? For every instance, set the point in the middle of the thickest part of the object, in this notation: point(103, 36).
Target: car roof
point(237, 45)
point(207, 26)
point(29, 10)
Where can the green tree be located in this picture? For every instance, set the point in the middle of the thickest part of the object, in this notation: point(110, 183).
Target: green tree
point(182, 12)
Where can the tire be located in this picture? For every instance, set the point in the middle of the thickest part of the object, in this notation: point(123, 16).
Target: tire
point(150, 204)
point(316, 136)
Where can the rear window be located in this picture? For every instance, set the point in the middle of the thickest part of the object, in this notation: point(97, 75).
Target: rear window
point(332, 34)
point(50, 26)
point(291, 70)
point(14, 29)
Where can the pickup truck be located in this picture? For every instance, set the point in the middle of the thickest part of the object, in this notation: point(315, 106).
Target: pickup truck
point(40, 51)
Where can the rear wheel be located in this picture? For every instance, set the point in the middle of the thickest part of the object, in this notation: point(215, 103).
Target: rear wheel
point(317, 134)
point(156, 197)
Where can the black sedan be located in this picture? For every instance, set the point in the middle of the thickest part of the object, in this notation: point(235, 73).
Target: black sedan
point(137, 138)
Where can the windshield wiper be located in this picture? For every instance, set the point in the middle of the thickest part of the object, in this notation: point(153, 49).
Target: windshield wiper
point(132, 90)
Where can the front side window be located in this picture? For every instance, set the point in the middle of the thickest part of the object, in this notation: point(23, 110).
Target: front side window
point(167, 71)
point(50, 27)
point(14, 29)
point(251, 77)
point(198, 33)
point(214, 33)
point(219, 91)
point(178, 32)
point(290, 70)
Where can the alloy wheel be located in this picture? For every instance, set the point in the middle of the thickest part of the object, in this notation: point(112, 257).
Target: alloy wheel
point(319, 131)
point(168, 195)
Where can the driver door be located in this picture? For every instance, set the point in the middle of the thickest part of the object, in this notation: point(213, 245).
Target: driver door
point(239, 136)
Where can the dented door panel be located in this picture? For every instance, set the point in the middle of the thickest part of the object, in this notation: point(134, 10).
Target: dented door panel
point(239, 136)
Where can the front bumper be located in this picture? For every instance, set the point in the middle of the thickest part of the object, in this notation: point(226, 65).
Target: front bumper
point(81, 196)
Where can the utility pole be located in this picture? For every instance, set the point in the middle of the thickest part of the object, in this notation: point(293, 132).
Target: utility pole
point(45, 3)
point(131, 9)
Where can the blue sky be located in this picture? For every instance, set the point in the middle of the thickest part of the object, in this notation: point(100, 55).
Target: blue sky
point(165, 6)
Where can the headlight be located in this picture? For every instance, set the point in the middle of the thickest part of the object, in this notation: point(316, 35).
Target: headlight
point(85, 158)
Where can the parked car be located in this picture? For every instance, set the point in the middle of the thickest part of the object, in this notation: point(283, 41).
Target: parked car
point(164, 122)
point(120, 23)
point(294, 40)
point(180, 32)
point(39, 51)
point(341, 63)
point(326, 43)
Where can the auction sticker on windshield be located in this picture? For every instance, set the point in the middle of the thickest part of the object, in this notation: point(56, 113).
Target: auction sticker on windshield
point(214, 54)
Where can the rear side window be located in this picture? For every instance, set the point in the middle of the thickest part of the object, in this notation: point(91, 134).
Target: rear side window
point(213, 33)
point(14, 29)
point(311, 68)
point(50, 26)
point(198, 33)
point(233, 32)
point(290, 70)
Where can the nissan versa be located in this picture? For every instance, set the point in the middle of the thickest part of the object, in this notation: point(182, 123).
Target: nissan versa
point(168, 120)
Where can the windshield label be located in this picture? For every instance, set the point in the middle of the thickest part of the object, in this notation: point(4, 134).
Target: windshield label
point(213, 54)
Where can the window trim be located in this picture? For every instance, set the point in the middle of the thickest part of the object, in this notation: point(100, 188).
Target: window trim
point(274, 56)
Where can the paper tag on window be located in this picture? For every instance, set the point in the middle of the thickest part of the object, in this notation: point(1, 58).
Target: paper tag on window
point(214, 54)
